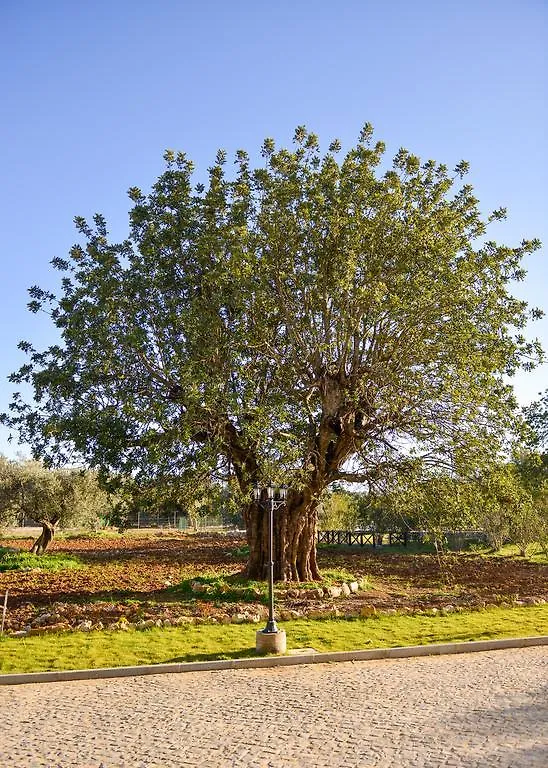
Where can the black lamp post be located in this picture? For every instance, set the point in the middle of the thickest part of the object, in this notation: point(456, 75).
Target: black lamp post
point(276, 499)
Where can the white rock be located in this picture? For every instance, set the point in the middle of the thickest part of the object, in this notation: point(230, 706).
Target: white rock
point(180, 620)
point(345, 589)
point(84, 626)
point(354, 586)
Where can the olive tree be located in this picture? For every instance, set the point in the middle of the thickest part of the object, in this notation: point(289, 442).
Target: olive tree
point(318, 319)
point(49, 497)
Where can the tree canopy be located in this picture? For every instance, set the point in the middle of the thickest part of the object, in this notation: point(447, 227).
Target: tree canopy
point(316, 319)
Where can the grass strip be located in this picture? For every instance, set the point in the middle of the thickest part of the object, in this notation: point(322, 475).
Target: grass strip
point(207, 642)
point(24, 561)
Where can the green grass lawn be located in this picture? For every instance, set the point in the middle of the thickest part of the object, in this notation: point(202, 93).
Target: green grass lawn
point(19, 561)
point(206, 642)
point(535, 553)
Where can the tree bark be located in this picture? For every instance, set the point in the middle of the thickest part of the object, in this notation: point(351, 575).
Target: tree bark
point(46, 537)
point(294, 541)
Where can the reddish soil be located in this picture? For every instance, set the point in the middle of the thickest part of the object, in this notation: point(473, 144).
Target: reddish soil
point(131, 576)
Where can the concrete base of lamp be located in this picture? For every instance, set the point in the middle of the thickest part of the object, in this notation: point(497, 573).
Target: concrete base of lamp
point(270, 642)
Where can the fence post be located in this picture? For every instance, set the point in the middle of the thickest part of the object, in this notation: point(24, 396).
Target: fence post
point(4, 612)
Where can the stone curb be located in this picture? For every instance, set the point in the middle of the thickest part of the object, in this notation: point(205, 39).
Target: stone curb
point(274, 661)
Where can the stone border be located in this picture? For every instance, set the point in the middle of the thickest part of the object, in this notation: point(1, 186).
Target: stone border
point(274, 661)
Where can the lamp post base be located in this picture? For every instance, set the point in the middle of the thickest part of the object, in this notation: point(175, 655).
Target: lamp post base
point(270, 642)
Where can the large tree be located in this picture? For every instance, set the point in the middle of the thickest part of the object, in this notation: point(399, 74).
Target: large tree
point(312, 320)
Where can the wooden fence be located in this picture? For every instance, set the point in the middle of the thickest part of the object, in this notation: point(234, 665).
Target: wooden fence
point(395, 538)
point(370, 538)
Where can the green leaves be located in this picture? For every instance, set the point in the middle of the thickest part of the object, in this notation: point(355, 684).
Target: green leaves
point(311, 318)
point(68, 496)
point(536, 417)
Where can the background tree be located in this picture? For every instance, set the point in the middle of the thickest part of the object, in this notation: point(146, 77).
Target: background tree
point(434, 502)
point(380, 512)
point(338, 510)
point(504, 508)
point(174, 498)
point(532, 465)
point(49, 497)
point(8, 510)
point(536, 417)
point(312, 320)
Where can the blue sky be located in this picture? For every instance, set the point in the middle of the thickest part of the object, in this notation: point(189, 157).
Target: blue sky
point(94, 92)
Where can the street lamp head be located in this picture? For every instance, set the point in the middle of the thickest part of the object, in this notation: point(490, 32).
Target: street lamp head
point(273, 492)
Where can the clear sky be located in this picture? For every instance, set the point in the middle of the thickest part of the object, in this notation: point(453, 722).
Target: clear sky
point(93, 93)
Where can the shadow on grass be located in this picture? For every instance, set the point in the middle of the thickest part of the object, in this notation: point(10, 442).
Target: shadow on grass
point(383, 549)
point(190, 657)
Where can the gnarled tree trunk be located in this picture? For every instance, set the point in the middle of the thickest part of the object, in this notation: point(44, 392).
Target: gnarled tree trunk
point(45, 538)
point(294, 542)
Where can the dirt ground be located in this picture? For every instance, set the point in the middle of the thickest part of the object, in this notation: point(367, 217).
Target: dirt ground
point(133, 576)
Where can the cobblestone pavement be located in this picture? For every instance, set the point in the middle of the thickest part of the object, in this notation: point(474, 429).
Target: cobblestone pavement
point(482, 709)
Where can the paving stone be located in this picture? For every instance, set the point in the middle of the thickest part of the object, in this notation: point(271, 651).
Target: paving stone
point(471, 711)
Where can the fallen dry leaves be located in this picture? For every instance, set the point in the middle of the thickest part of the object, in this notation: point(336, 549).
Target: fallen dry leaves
point(130, 576)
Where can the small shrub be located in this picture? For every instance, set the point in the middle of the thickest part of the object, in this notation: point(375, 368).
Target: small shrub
point(231, 589)
point(90, 535)
point(242, 551)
